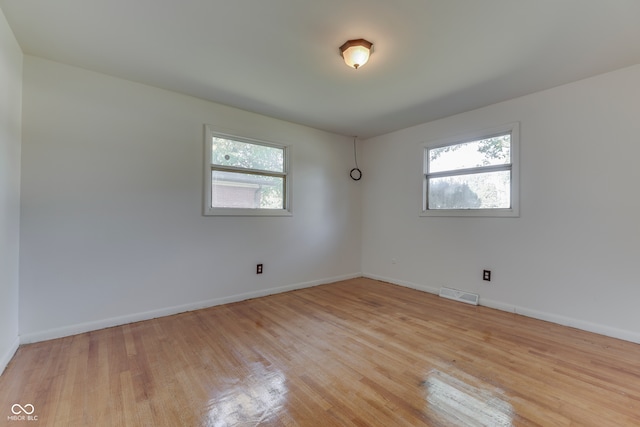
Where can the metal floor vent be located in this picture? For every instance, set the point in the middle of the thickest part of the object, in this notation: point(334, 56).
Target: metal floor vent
point(461, 296)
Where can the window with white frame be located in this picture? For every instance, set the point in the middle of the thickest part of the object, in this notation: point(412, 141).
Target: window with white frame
point(476, 175)
point(245, 176)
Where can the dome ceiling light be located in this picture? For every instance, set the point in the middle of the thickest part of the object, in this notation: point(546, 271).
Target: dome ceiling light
point(356, 52)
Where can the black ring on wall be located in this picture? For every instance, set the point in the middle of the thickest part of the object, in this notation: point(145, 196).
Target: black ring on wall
point(358, 174)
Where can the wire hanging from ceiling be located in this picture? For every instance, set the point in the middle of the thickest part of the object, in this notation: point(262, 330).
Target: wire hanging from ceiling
point(356, 173)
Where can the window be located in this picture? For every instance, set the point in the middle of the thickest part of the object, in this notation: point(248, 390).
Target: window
point(245, 176)
point(473, 176)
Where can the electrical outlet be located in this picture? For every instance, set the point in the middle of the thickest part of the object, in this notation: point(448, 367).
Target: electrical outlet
point(486, 275)
point(259, 269)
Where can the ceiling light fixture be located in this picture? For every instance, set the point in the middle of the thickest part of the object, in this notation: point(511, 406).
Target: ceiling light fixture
point(356, 52)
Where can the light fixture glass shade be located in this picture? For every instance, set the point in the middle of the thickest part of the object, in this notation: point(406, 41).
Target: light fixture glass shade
point(356, 52)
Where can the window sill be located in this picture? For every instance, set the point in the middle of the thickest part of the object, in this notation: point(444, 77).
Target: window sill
point(246, 212)
point(478, 213)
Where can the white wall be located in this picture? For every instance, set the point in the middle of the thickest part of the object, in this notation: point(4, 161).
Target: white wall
point(10, 128)
point(573, 255)
point(112, 229)
point(111, 225)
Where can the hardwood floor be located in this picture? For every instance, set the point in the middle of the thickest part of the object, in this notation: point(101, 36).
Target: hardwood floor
point(353, 353)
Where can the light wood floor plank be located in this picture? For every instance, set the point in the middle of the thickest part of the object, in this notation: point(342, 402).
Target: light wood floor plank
point(353, 353)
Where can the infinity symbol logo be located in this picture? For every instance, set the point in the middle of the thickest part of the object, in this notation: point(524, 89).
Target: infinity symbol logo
point(17, 409)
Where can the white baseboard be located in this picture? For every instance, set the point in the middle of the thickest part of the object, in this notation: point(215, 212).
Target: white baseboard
point(423, 288)
point(622, 334)
point(565, 321)
point(168, 311)
point(6, 358)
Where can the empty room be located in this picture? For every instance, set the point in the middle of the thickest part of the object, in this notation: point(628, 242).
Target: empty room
point(298, 213)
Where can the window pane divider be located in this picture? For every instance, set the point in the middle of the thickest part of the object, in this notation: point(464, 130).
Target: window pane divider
point(469, 171)
point(247, 171)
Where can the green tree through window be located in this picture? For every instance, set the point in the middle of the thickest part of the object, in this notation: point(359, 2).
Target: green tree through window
point(247, 177)
point(472, 174)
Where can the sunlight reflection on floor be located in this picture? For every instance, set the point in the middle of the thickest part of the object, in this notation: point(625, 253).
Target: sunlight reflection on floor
point(463, 404)
point(251, 401)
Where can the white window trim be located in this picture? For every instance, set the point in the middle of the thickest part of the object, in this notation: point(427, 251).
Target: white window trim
point(514, 211)
point(208, 210)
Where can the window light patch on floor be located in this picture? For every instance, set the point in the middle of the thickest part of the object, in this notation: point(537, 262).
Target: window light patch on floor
point(463, 404)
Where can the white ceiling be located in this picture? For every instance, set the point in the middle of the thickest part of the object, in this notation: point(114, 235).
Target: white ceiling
point(433, 58)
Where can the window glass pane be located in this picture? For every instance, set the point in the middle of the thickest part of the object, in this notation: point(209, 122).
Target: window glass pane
point(227, 152)
point(484, 152)
point(489, 190)
point(243, 190)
